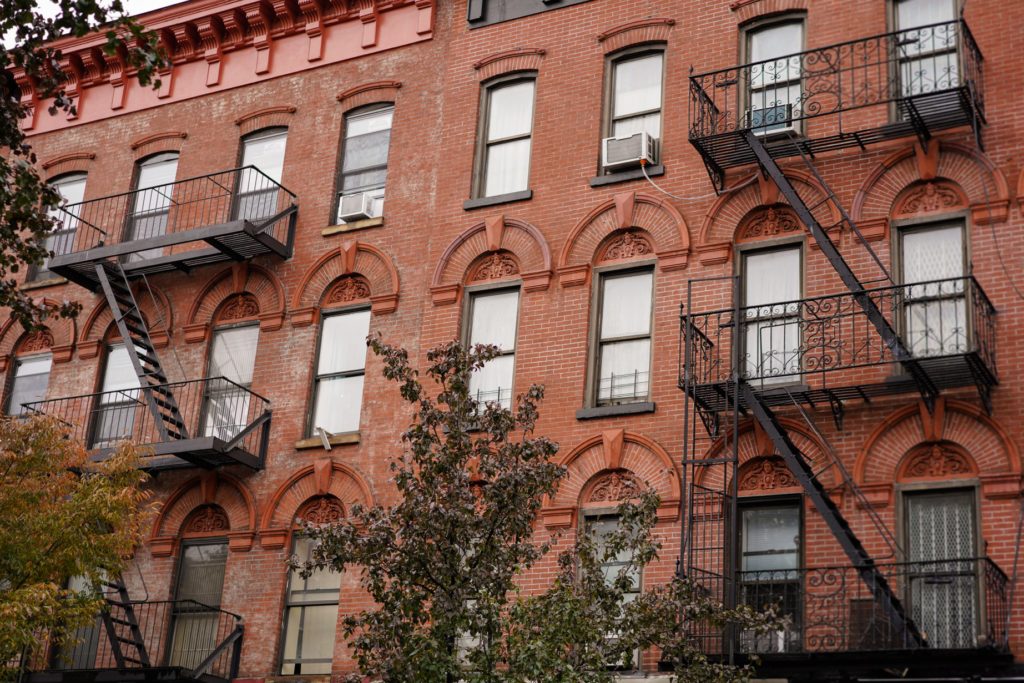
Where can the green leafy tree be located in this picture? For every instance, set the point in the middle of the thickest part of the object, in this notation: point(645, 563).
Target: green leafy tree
point(61, 516)
point(26, 202)
point(442, 564)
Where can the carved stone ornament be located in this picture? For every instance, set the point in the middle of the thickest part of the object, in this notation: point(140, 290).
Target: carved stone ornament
point(629, 244)
point(240, 307)
point(494, 267)
point(937, 462)
point(929, 197)
point(347, 290)
point(766, 475)
point(770, 223)
point(323, 511)
point(40, 340)
point(616, 486)
point(207, 519)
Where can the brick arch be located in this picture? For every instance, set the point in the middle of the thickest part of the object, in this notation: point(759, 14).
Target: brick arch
point(156, 311)
point(509, 61)
point(204, 491)
point(352, 259)
point(613, 453)
point(61, 333)
point(242, 278)
point(323, 478)
point(495, 236)
point(937, 461)
point(265, 117)
point(636, 33)
point(625, 210)
point(747, 10)
point(953, 424)
point(73, 162)
point(369, 93)
point(154, 143)
point(980, 184)
point(733, 212)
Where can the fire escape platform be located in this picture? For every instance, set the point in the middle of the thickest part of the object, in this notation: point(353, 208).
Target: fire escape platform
point(207, 451)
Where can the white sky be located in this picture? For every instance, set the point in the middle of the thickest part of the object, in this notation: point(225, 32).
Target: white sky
point(134, 7)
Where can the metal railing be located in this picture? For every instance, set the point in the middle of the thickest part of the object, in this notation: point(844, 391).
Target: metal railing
point(200, 639)
point(792, 340)
point(776, 94)
point(213, 406)
point(238, 194)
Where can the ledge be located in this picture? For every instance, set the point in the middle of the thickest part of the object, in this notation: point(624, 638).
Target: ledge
point(375, 222)
point(480, 202)
point(623, 176)
point(40, 284)
point(612, 411)
point(335, 440)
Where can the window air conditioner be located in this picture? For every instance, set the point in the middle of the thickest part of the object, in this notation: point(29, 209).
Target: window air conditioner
point(627, 152)
point(361, 205)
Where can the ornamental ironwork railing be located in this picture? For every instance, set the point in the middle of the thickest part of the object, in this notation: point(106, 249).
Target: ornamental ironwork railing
point(911, 65)
point(792, 341)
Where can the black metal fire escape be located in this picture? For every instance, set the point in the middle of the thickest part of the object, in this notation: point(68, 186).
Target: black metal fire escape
point(122, 626)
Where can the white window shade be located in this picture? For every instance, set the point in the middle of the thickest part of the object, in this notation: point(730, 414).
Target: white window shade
point(626, 305)
point(233, 353)
point(343, 345)
point(31, 379)
point(493, 320)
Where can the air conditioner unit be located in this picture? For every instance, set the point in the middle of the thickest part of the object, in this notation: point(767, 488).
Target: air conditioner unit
point(627, 152)
point(771, 119)
point(360, 205)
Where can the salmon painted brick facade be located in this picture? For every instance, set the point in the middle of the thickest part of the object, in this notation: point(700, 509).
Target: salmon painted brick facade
point(238, 272)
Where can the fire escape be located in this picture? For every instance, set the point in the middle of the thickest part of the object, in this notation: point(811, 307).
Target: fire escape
point(109, 245)
point(741, 364)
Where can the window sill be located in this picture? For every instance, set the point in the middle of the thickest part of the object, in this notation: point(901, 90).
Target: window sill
point(612, 411)
point(481, 202)
point(334, 440)
point(374, 222)
point(39, 284)
point(623, 176)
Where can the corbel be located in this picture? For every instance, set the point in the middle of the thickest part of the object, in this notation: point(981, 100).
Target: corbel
point(313, 16)
point(211, 34)
point(181, 42)
point(424, 16)
point(116, 64)
point(284, 12)
point(259, 16)
point(71, 68)
point(28, 99)
point(234, 24)
point(368, 15)
point(93, 66)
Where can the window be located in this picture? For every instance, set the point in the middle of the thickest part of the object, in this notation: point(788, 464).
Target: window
point(934, 311)
point(338, 387)
point(71, 188)
point(774, 92)
point(504, 158)
point(624, 337)
point(769, 563)
point(232, 360)
point(310, 617)
point(259, 187)
point(196, 610)
point(29, 382)
point(364, 158)
point(152, 204)
point(636, 94)
point(602, 526)
point(81, 650)
point(493, 319)
point(928, 60)
point(114, 412)
point(771, 313)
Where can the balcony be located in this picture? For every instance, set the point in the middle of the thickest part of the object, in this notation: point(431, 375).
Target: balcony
point(910, 82)
point(230, 215)
point(177, 640)
point(824, 351)
point(222, 423)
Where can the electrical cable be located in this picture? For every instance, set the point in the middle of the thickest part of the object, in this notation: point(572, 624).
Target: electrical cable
point(643, 168)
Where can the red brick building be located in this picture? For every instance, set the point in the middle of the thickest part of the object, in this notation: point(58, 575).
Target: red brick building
point(833, 197)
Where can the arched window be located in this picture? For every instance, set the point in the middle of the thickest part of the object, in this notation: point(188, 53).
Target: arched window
point(340, 369)
point(195, 614)
point(492, 318)
point(30, 376)
point(262, 162)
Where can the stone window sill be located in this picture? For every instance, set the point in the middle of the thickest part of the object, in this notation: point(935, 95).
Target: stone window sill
point(480, 202)
point(334, 440)
point(351, 226)
point(616, 410)
point(39, 284)
point(623, 176)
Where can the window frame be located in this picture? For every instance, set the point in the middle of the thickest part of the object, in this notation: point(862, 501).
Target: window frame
point(110, 343)
point(12, 378)
point(310, 429)
point(746, 32)
point(204, 413)
point(237, 195)
point(287, 606)
point(474, 291)
point(896, 69)
point(131, 215)
point(483, 143)
point(339, 176)
point(215, 538)
point(593, 383)
point(40, 273)
point(608, 118)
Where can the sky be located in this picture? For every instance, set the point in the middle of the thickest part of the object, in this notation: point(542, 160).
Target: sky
point(48, 8)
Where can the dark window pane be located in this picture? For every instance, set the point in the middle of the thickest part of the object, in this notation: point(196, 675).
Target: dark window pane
point(366, 150)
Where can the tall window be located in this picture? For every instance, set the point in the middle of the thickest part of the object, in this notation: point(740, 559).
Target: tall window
point(152, 203)
point(30, 379)
point(195, 612)
point(774, 91)
point(769, 563)
point(258, 188)
point(71, 188)
point(115, 408)
point(935, 310)
point(493, 319)
point(928, 60)
point(364, 158)
point(504, 155)
point(310, 617)
point(615, 565)
point(231, 365)
point(624, 337)
point(636, 94)
point(771, 314)
point(341, 366)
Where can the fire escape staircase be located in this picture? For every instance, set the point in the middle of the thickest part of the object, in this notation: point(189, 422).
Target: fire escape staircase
point(122, 627)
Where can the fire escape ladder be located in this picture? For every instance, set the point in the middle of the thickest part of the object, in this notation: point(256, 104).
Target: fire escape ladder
point(126, 641)
point(869, 573)
point(875, 316)
point(152, 379)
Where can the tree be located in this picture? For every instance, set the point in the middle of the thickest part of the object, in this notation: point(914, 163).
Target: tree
point(26, 201)
point(61, 516)
point(442, 563)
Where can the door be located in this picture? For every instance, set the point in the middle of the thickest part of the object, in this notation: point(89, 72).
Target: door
point(942, 574)
point(771, 314)
point(195, 629)
point(927, 46)
point(151, 206)
point(934, 304)
point(259, 188)
point(115, 409)
point(232, 361)
point(769, 572)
